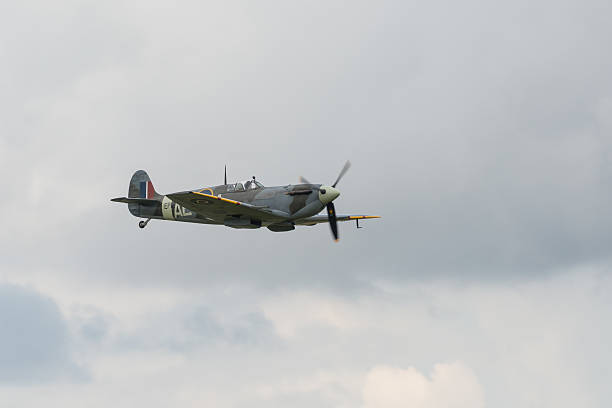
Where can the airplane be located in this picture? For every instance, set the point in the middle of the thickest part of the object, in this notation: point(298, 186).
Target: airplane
point(238, 205)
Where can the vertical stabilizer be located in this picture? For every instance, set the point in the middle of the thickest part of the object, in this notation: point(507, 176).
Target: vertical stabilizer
point(142, 187)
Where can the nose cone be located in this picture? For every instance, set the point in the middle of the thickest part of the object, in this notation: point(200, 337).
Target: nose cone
point(328, 194)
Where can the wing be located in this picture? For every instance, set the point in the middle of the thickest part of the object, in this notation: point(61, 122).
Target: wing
point(317, 219)
point(219, 208)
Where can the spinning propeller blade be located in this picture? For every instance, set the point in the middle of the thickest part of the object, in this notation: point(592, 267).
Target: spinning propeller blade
point(347, 166)
point(331, 210)
point(333, 223)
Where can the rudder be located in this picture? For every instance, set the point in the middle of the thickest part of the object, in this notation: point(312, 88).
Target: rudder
point(142, 187)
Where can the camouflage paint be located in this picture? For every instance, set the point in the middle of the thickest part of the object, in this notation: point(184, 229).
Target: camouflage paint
point(279, 208)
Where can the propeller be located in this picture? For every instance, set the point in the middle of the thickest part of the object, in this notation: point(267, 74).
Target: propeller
point(331, 210)
point(333, 223)
point(347, 166)
point(304, 181)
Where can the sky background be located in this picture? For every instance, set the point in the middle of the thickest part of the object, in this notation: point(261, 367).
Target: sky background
point(480, 131)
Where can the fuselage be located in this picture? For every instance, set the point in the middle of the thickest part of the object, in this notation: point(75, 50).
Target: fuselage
point(282, 204)
point(245, 206)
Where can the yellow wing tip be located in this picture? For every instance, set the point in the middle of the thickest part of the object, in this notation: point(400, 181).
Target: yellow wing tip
point(363, 217)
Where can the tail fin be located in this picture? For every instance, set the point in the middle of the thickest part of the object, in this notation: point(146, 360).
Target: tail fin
point(142, 187)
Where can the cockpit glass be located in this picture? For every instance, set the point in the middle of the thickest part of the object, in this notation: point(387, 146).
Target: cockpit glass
point(252, 185)
point(249, 185)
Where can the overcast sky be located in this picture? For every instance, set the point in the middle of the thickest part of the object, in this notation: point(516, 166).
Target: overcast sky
point(480, 131)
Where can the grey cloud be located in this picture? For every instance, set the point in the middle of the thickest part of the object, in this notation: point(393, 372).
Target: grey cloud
point(35, 341)
point(250, 329)
point(200, 322)
point(95, 329)
point(194, 327)
point(89, 325)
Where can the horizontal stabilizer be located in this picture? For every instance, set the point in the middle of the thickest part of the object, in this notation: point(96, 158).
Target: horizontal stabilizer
point(143, 201)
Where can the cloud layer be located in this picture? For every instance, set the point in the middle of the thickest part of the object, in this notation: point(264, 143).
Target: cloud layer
point(450, 385)
point(35, 341)
point(479, 131)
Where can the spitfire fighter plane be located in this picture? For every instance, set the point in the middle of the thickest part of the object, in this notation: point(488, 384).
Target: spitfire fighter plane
point(249, 205)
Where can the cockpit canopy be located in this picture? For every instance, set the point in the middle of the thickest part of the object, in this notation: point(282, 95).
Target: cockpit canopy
point(249, 185)
point(252, 185)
